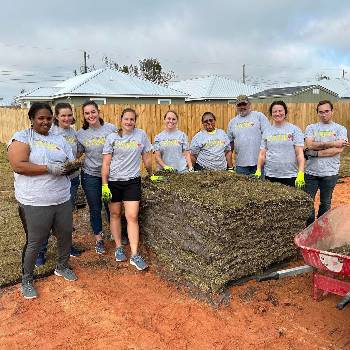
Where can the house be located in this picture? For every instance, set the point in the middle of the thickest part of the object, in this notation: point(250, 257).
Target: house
point(212, 89)
point(104, 86)
point(295, 94)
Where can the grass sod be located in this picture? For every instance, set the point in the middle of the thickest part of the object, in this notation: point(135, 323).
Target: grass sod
point(344, 170)
point(210, 228)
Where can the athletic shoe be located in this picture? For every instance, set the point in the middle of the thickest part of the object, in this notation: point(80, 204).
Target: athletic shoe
point(120, 254)
point(74, 252)
point(28, 290)
point(138, 262)
point(66, 273)
point(100, 247)
point(40, 260)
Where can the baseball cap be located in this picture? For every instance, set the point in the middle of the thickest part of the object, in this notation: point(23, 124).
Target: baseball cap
point(242, 99)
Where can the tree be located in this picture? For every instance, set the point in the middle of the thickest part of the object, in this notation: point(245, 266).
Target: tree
point(148, 68)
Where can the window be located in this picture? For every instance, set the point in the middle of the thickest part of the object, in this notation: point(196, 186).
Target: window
point(164, 101)
point(231, 102)
point(316, 91)
point(99, 101)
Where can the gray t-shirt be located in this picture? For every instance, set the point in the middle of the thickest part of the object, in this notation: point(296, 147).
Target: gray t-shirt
point(46, 189)
point(210, 149)
point(321, 132)
point(70, 135)
point(280, 142)
point(171, 146)
point(126, 153)
point(91, 142)
point(246, 133)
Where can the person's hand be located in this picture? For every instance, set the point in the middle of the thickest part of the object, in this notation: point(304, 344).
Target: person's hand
point(230, 170)
point(156, 178)
point(168, 168)
point(340, 143)
point(56, 169)
point(106, 193)
point(258, 173)
point(300, 181)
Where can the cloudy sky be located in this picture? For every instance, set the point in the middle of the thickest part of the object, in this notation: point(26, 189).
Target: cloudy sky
point(42, 42)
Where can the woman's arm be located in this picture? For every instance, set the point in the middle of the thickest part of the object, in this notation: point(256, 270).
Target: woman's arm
point(106, 162)
point(261, 159)
point(18, 156)
point(228, 155)
point(147, 161)
point(187, 156)
point(299, 152)
point(159, 159)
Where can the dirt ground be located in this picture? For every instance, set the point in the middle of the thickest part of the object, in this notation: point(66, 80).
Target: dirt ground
point(115, 307)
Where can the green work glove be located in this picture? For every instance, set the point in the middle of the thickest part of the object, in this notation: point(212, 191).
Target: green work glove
point(300, 181)
point(230, 170)
point(258, 173)
point(106, 193)
point(168, 168)
point(156, 178)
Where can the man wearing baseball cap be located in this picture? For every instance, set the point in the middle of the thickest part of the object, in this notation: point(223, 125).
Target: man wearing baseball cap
point(244, 132)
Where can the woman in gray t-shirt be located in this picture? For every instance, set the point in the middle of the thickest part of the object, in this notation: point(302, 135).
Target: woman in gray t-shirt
point(210, 148)
point(282, 149)
point(171, 147)
point(91, 139)
point(121, 180)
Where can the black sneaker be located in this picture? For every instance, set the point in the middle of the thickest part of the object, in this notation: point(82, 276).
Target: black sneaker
point(74, 252)
point(100, 247)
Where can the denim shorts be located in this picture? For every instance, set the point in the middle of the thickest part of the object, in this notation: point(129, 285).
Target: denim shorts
point(129, 190)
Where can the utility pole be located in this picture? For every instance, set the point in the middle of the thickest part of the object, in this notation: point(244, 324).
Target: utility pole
point(243, 73)
point(85, 65)
point(344, 73)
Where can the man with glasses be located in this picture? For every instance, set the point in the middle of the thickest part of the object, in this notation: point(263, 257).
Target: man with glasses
point(245, 131)
point(325, 141)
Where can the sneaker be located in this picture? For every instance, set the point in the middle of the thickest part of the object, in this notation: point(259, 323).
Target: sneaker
point(120, 254)
point(40, 260)
point(28, 290)
point(138, 262)
point(100, 247)
point(66, 273)
point(74, 252)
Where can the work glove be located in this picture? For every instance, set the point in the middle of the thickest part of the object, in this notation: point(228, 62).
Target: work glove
point(300, 181)
point(258, 174)
point(156, 178)
point(190, 170)
point(56, 169)
point(230, 170)
point(168, 168)
point(106, 193)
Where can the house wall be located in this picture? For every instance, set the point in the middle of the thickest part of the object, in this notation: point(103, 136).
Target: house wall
point(305, 97)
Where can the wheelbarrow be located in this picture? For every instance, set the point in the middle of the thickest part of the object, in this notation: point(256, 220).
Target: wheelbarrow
point(330, 271)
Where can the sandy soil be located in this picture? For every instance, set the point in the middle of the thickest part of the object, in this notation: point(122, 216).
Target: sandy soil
point(115, 307)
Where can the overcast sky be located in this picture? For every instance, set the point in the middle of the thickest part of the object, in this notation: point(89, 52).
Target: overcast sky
point(42, 42)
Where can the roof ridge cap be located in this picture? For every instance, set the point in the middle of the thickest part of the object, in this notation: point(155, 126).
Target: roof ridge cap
point(97, 72)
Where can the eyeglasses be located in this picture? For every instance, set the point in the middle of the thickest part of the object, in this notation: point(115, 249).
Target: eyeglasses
point(207, 121)
point(243, 104)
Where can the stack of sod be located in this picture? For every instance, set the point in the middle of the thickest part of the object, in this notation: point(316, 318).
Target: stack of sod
point(344, 170)
point(209, 228)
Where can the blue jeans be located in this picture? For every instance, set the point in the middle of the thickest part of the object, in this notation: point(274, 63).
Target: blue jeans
point(326, 186)
point(246, 170)
point(92, 186)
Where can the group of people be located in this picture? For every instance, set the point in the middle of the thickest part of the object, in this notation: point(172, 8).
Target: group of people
point(111, 175)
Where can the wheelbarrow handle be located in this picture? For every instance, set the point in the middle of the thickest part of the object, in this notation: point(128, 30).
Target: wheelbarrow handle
point(345, 301)
point(268, 277)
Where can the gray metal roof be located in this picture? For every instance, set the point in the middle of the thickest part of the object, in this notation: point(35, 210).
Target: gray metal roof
point(213, 87)
point(289, 91)
point(104, 82)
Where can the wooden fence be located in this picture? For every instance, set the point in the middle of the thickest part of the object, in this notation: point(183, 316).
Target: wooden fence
point(151, 116)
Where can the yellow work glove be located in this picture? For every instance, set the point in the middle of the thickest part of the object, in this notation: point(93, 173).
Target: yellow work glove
point(106, 193)
point(168, 168)
point(300, 181)
point(156, 178)
point(230, 170)
point(258, 174)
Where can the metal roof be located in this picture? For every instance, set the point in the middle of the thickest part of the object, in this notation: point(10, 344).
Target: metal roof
point(107, 83)
point(213, 87)
point(289, 91)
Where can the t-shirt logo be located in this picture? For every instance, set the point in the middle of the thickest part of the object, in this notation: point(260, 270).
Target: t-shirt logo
point(280, 137)
point(325, 133)
point(244, 125)
point(48, 145)
point(290, 137)
point(168, 142)
point(96, 141)
point(127, 144)
point(213, 143)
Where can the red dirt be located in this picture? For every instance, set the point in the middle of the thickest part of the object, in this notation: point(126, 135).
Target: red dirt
point(119, 308)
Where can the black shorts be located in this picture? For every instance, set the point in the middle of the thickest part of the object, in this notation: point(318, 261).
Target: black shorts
point(129, 190)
